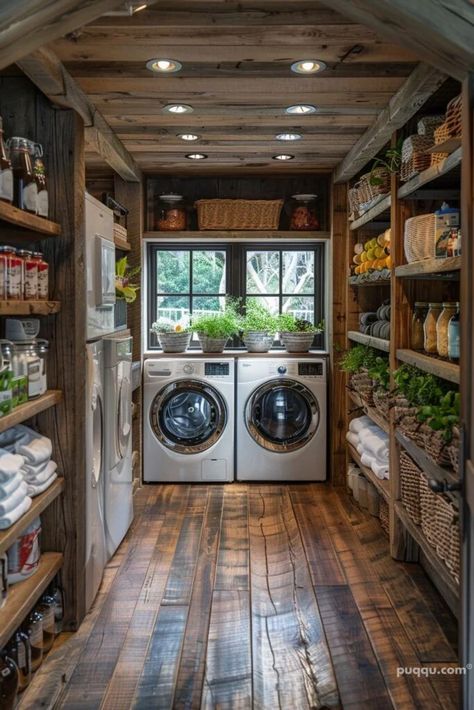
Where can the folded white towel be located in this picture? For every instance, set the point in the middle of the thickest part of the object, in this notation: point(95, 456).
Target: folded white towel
point(380, 470)
point(37, 489)
point(377, 446)
point(10, 503)
point(7, 488)
point(357, 424)
point(43, 476)
point(35, 469)
point(360, 448)
point(28, 443)
point(367, 460)
point(352, 438)
point(367, 431)
point(10, 464)
point(15, 514)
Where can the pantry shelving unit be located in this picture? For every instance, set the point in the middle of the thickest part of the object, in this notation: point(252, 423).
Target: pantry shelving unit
point(429, 280)
point(29, 308)
point(30, 409)
point(22, 220)
point(239, 234)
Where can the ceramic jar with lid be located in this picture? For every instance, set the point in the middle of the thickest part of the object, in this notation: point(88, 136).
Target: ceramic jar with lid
point(172, 215)
point(449, 310)
point(429, 327)
point(304, 214)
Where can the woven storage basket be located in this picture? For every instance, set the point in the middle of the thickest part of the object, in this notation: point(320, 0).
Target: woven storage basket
point(446, 517)
point(441, 135)
point(381, 401)
point(419, 237)
point(454, 117)
point(371, 192)
point(414, 157)
point(239, 214)
point(384, 515)
point(454, 449)
point(427, 509)
point(427, 125)
point(363, 385)
point(354, 202)
point(410, 487)
point(406, 420)
point(435, 446)
point(453, 562)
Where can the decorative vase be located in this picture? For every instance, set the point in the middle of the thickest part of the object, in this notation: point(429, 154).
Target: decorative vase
point(212, 345)
point(174, 342)
point(258, 341)
point(297, 342)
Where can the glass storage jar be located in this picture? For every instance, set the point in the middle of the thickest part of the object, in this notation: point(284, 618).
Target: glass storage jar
point(172, 216)
point(304, 214)
point(449, 310)
point(454, 345)
point(429, 327)
point(417, 322)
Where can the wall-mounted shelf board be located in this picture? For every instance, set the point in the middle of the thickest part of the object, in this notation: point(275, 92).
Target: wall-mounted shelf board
point(369, 411)
point(122, 244)
point(30, 222)
point(237, 234)
point(29, 308)
point(369, 340)
point(369, 282)
point(427, 267)
point(420, 457)
point(30, 409)
point(441, 368)
point(378, 209)
point(431, 173)
point(447, 146)
point(23, 595)
point(441, 576)
point(40, 503)
point(383, 487)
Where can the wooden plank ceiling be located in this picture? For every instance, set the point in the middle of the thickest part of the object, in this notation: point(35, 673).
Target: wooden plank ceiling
point(236, 74)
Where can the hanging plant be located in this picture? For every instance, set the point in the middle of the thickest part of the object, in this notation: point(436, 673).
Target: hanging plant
point(391, 161)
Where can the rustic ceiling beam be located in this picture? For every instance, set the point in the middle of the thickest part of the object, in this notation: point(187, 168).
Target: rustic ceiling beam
point(440, 32)
point(419, 86)
point(48, 73)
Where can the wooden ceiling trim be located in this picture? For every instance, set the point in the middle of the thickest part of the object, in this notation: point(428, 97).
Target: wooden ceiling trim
point(270, 119)
point(421, 84)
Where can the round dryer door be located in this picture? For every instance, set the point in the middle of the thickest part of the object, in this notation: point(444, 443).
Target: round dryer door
point(282, 415)
point(124, 417)
point(188, 416)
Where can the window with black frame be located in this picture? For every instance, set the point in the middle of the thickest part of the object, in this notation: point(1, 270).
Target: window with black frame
point(188, 281)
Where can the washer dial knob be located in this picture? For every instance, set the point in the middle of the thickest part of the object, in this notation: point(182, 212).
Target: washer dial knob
point(188, 369)
point(281, 370)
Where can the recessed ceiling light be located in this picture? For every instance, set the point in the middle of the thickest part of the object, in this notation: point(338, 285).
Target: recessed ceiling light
point(188, 136)
point(301, 109)
point(283, 156)
point(196, 156)
point(308, 66)
point(167, 66)
point(289, 137)
point(178, 108)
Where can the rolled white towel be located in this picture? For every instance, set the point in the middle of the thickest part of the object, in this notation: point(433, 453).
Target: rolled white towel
point(28, 443)
point(372, 430)
point(381, 470)
point(357, 424)
point(43, 475)
point(367, 459)
point(10, 464)
point(35, 490)
point(360, 448)
point(15, 514)
point(377, 446)
point(7, 488)
point(352, 438)
point(10, 503)
point(35, 469)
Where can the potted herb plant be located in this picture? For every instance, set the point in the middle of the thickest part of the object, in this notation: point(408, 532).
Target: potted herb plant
point(172, 337)
point(125, 290)
point(215, 329)
point(258, 327)
point(297, 334)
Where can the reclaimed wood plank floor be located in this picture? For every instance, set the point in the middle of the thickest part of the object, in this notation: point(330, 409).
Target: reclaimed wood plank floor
point(254, 597)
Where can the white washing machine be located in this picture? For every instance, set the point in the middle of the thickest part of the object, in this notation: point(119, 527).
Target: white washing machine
point(281, 419)
point(118, 439)
point(96, 555)
point(188, 427)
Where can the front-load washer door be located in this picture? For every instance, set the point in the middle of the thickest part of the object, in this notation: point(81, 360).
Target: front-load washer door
point(124, 417)
point(188, 416)
point(282, 415)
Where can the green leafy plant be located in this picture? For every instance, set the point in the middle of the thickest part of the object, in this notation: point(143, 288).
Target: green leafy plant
point(391, 160)
point(258, 318)
point(379, 371)
point(357, 358)
point(125, 290)
point(419, 388)
point(287, 323)
point(444, 415)
point(220, 325)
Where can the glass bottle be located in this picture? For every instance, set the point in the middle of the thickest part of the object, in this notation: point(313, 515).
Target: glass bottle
point(454, 349)
point(417, 322)
point(42, 183)
point(43, 276)
point(56, 592)
point(13, 273)
point(429, 327)
point(9, 682)
point(29, 275)
point(6, 172)
point(19, 650)
point(33, 628)
point(46, 608)
point(449, 310)
point(25, 185)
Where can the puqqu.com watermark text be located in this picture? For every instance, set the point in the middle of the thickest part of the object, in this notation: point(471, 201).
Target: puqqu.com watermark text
point(425, 671)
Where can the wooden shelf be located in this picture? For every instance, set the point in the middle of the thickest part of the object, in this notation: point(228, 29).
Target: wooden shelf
point(420, 457)
point(237, 234)
point(40, 503)
point(23, 595)
point(28, 221)
point(29, 308)
point(382, 486)
point(432, 173)
point(378, 209)
point(448, 146)
point(369, 340)
point(369, 282)
point(427, 267)
point(441, 576)
point(441, 368)
point(30, 409)
point(369, 411)
point(122, 244)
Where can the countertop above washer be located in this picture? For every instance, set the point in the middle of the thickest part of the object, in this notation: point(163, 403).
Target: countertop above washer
point(277, 354)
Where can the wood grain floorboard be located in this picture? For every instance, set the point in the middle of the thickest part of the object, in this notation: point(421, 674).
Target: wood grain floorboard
point(233, 559)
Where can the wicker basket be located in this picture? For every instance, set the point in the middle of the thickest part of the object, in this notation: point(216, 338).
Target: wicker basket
point(454, 449)
point(436, 446)
point(414, 156)
point(410, 487)
point(372, 192)
point(381, 401)
point(354, 202)
point(453, 563)
point(427, 125)
point(446, 517)
point(405, 418)
point(239, 214)
point(427, 508)
point(420, 237)
point(454, 117)
point(363, 385)
point(384, 516)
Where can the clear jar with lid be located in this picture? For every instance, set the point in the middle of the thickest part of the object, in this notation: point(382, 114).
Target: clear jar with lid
point(429, 328)
point(6, 172)
point(43, 276)
point(304, 216)
point(449, 310)
point(33, 628)
point(25, 184)
point(29, 275)
point(417, 323)
point(454, 343)
point(172, 216)
point(12, 266)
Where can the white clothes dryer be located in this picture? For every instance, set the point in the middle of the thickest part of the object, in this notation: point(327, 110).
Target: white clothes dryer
point(188, 423)
point(281, 419)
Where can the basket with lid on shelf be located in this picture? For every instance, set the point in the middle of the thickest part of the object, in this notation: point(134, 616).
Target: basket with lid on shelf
point(238, 214)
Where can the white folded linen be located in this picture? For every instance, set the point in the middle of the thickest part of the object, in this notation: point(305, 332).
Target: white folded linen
point(380, 470)
point(15, 514)
point(10, 503)
point(22, 440)
point(367, 460)
point(352, 438)
point(357, 424)
point(10, 464)
point(35, 469)
point(35, 490)
point(367, 431)
point(7, 488)
point(377, 446)
point(43, 476)
point(360, 448)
